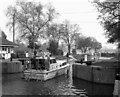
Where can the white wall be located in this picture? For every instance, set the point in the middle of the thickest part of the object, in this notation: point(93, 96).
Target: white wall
point(6, 54)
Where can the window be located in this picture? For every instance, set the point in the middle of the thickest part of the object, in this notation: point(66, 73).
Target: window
point(4, 48)
point(63, 63)
point(8, 50)
point(52, 61)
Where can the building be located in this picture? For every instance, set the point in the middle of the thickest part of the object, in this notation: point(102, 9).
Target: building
point(6, 46)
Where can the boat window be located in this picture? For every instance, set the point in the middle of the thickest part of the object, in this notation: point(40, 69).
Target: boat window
point(52, 61)
point(63, 63)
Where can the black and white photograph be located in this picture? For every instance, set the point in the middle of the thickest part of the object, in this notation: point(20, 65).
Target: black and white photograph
point(58, 48)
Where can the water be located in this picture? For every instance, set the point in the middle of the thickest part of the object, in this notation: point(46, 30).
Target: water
point(13, 84)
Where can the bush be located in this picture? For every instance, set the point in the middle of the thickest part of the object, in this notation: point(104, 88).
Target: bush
point(13, 55)
point(108, 54)
point(18, 54)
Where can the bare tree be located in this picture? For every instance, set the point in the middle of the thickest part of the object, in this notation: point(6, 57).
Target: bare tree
point(69, 32)
point(32, 19)
point(87, 43)
point(54, 32)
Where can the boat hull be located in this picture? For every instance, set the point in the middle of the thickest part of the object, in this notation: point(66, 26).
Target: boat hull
point(95, 74)
point(44, 74)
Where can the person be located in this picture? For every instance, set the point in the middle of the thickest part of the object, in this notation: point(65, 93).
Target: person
point(47, 63)
point(33, 63)
point(67, 55)
point(81, 60)
point(35, 53)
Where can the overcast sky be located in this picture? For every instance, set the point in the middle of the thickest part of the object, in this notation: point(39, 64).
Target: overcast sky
point(80, 12)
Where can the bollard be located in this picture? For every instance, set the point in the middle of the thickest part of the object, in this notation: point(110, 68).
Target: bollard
point(116, 92)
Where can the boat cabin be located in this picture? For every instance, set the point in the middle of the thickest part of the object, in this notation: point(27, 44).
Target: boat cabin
point(45, 68)
point(47, 63)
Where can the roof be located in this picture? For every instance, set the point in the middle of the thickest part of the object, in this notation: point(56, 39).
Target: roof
point(4, 41)
point(2, 34)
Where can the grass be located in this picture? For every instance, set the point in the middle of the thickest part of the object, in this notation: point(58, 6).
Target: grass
point(112, 62)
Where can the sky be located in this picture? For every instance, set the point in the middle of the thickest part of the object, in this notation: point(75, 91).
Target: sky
point(80, 12)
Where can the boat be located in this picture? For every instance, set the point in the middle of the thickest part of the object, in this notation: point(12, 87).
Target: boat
point(46, 68)
point(102, 72)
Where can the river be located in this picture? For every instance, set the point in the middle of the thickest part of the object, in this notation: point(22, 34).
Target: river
point(13, 84)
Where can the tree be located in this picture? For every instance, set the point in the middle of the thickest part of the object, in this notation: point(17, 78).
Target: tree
point(87, 43)
point(96, 45)
point(31, 19)
point(109, 16)
point(68, 33)
point(82, 44)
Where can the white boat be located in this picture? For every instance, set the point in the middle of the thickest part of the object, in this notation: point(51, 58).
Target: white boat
point(46, 69)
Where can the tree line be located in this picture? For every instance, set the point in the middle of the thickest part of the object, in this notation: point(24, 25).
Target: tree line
point(34, 21)
point(87, 43)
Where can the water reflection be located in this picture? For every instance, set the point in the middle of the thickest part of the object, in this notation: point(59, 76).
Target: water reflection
point(93, 88)
point(13, 84)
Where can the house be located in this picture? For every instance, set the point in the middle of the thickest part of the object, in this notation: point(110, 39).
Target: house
point(6, 46)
